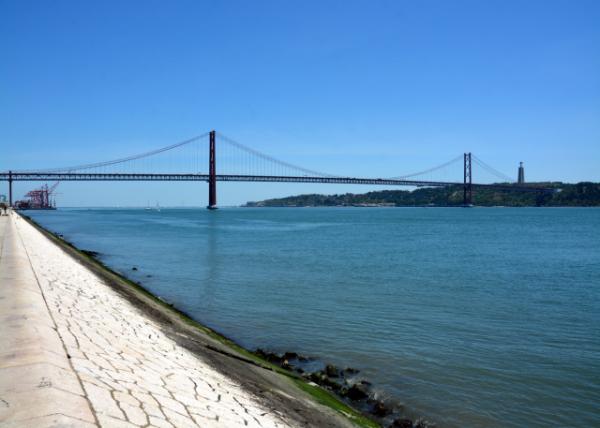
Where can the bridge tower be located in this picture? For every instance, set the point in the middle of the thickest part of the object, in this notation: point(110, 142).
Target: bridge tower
point(212, 174)
point(467, 182)
point(10, 181)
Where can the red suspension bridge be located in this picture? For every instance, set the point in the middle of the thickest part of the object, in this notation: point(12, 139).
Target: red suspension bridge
point(197, 159)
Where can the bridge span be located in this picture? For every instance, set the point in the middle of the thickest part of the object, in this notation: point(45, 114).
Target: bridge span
point(89, 172)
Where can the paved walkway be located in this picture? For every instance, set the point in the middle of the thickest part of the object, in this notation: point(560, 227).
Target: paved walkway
point(74, 353)
point(38, 386)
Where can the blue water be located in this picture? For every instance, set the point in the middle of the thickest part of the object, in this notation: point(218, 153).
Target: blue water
point(470, 317)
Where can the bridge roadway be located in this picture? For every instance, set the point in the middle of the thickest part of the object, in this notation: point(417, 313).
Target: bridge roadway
point(75, 176)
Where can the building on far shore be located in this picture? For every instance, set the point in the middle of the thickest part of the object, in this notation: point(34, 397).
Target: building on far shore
point(521, 178)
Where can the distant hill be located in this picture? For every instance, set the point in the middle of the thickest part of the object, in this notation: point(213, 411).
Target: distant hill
point(582, 194)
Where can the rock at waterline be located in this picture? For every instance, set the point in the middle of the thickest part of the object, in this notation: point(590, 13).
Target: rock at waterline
point(380, 409)
point(402, 423)
point(358, 391)
point(332, 371)
point(350, 371)
point(90, 253)
point(323, 380)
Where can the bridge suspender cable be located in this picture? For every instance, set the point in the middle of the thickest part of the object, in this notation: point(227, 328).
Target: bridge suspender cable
point(272, 159)
point(123, 160)
point(493, 170)
point(427, 171)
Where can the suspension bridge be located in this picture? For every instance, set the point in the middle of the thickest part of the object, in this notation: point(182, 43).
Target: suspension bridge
point(198, 158)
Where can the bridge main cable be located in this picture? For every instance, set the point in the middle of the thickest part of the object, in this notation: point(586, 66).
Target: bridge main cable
point(120, 160)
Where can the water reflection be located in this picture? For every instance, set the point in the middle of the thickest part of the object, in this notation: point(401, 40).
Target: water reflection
point(212, 261)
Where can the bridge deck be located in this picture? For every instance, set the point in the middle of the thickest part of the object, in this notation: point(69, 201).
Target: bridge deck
point(75, 176)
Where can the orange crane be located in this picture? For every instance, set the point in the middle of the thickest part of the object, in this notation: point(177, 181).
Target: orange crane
point(40, 199)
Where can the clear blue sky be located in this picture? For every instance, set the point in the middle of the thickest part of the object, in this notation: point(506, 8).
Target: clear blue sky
point(372, 88)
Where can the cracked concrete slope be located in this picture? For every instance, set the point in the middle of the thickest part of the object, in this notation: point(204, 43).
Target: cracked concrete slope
point(75, 353)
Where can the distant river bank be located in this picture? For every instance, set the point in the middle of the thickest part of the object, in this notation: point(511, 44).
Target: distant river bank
point(471, 317)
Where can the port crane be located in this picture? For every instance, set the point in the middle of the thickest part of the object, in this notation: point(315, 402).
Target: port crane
point(40, 199)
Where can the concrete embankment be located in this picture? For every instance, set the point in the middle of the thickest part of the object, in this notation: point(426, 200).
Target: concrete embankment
point(79, 348)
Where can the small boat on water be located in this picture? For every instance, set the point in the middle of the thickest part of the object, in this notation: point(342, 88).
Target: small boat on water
point(149, 208)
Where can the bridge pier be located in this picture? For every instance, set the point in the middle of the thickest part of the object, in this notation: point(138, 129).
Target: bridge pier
point(467, 182)
point(212, 174)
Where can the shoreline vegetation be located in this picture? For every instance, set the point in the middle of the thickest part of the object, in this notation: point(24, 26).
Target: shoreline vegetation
point(342, 395)
point(584, 194)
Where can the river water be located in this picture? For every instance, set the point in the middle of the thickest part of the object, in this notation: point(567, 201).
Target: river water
point(484, 317)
